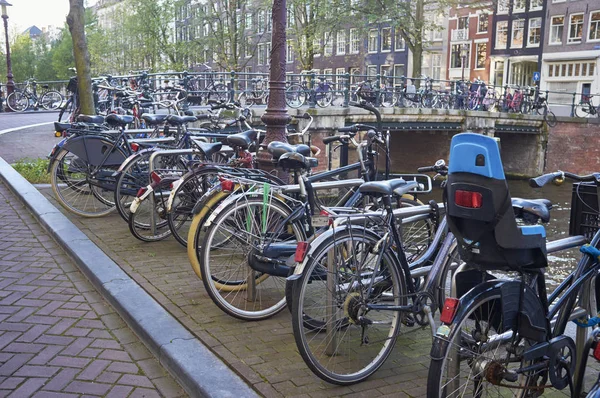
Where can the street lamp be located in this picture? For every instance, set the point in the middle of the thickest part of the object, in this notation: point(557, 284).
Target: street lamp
point(463, 56)
point(10, 84)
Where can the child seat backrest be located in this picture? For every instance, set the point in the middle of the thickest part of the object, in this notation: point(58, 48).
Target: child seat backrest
point(480, 212)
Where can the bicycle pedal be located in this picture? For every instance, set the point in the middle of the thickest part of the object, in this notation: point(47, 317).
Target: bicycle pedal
point(408, 320)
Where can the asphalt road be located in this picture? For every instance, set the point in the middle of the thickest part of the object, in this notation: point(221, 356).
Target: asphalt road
point(29, 142)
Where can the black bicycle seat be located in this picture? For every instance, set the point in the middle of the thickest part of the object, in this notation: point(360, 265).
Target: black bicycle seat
point(154, 120)
point(536, 208)
point(118, 120)
point(242, 140)
point(180, 120)
point(208, 149)
point(96, 119)
point(383, 187)
point(296, 161)
point(277, 149)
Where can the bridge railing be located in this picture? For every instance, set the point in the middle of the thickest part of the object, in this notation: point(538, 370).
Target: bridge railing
point(380, 89)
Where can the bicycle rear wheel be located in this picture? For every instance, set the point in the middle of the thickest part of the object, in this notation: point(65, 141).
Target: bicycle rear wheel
point(149, 221)
point(17, 101)
point(582, 110)
point(295, 96)
point(550, 118)
point(51, 100)
point(339, 338)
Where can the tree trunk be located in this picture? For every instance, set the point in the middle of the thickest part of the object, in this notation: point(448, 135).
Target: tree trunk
point(418, 42)
point(75, 20)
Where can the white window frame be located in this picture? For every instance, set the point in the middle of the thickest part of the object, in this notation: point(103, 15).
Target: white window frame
point(505, 23)
point(515, 9)
point(552, 26)
point(597, 23)
point(289, 52)
point(503, 7)
point(390, 30)
point(354, 41)
point(371, 66)
point(327, 44)
point(539, 7)
point(512, 34)
point(373, 33)
point(260, 22)
point(477, 67)
point(339, 74)
point(340, 48)
point(396, 36)
point(317, 47)
point(539, 19)
point(479, 22)
point(260, 56)
point(397, 80)
point(247, 52)
point(248, 21)
point(558, 1)
point(569, 41)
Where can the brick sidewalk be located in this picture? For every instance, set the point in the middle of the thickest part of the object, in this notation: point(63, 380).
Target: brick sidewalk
point(58, 337)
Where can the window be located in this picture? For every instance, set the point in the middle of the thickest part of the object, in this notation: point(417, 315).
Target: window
point(354, 78)
point(373, 41)
point(339, 75)
point(269, 21)
point(594, 30)
point(463, 22)
point(268, 51)
point(399, 44)
point(535, 32)
point(327, 44)
point(371, 70)
point(261, 54)
point(517, 33)
point(503, 6)
point(575, 28)
point(436, 66)
point(398, 72)
point(518, 5)
point(290, 17)
point(482, 23)
point(354, 41)
point(501, 34)
point(260, 24)
point(455, 59)
point(317, 47)
point(536, 5)
point(341, 42)
point(386, 39)
point(481, 55)
point(289, 53)
point(556, 29)
point(247, 48)
point(248, 20)
point(328, 72)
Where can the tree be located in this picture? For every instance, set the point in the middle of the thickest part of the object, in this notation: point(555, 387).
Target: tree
point(76, 22)
point(62, 55)
point(23, 58)
point(410, 17)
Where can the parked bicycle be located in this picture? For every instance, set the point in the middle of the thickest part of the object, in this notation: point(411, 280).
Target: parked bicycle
point(586, 108)
point(22, 100)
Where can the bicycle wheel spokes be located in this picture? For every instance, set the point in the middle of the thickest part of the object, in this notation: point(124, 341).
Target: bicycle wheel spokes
point(235, 258)
point(149, 222)
point(339, 337)
point(72, 185)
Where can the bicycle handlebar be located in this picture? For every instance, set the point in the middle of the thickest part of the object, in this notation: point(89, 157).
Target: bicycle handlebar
point(542, 180)
point(438, 167)
point(355, 128)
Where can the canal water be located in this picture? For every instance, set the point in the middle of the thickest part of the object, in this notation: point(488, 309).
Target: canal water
point(559, 264)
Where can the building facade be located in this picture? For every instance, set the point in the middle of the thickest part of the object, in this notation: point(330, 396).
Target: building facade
point(517, 37)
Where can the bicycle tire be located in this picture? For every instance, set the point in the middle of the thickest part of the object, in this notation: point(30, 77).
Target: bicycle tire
point(550, 118)
point(242, 219)
point(335, 363)
point(51, 100)
point(129, 180)
point(142, 228)
point(67, 106)
point(444, 353)
point(582, 110)
point(17, 101)
point(324, 97)
point(295, 96)
point(79, 197)
point(219, 92)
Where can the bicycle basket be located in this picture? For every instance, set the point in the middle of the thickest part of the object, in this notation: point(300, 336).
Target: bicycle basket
point(585, 218)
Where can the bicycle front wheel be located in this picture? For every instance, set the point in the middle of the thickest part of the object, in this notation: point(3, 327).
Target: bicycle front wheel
point(341, 340)
point(461, 364)
point(17, 101)
point(295, 96)
point(51, 100)
point(550, 118)
point(244, 257)
point(582, 110)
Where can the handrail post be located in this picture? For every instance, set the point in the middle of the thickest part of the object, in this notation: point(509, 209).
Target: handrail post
point(377, 90)
point(346, 90)
point(573, 104)
point(402, 88)
point(232, 86)
point(312, 99)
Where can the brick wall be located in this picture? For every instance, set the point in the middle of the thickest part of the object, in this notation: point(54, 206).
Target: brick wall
point(574, 147)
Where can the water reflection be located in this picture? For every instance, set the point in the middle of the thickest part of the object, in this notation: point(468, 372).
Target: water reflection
point(560, 264)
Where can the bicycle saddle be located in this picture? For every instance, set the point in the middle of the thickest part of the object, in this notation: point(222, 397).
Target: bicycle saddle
point(531, 209)
point(175, 120)
point(154, 120)
point(389, 187)
point(208, 149)
point(277, 149)
point(118, 120)
point(90, 119)
point(242, 140)
point(296, 161)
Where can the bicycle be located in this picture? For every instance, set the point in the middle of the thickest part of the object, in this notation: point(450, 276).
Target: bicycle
point(22, 100)
point(586, 108)
point(504, 334)
point(257, 94)
point(210, 89)
point(540, 106)
point(296, 94)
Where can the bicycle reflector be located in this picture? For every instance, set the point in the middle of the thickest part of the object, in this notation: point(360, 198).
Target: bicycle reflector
point(141, 191)
point(470, 199)
point(135, 146)
point(597, 351)
point(227, 185)
point(449, 310)
point(155, 177)
point(300, 251)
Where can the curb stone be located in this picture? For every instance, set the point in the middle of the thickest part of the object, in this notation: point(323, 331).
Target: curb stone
point(200, 372)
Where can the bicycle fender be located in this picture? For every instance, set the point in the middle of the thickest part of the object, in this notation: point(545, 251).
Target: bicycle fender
point(92, 149)
point(133, 157)
point(533, 323)
point(205, 198)
point(54, 152)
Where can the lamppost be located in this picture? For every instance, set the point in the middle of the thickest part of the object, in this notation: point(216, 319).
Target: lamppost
point(10, 84)
point(463, 57)
point(276, 116)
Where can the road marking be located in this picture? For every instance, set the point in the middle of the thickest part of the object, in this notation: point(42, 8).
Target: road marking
point(23, 127)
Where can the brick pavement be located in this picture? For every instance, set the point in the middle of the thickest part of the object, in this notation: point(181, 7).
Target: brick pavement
point(58, 337)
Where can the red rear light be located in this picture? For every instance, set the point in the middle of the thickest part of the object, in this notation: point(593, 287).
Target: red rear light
point(597, 351)
point(141, 191)
point(155, 177)
point(135, 146)
point(472, 200)
point(300, 251)
point(449, 310)
point(227, 185)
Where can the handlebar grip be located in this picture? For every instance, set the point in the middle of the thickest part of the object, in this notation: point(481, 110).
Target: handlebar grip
point(542, 180)
point(426, 169)
point(333, 138)
point(347, 129)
